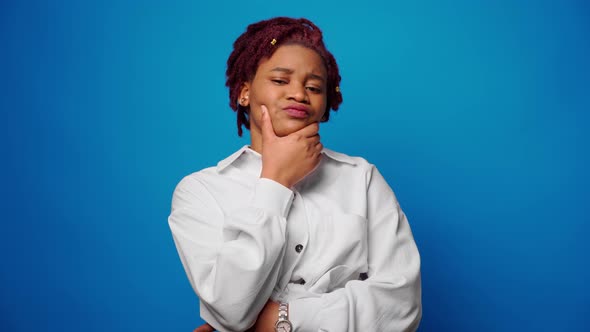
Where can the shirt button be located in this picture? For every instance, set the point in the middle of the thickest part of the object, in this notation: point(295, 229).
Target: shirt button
point(298, 248)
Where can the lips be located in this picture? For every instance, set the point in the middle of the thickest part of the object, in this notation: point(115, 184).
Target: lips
point(297, 111)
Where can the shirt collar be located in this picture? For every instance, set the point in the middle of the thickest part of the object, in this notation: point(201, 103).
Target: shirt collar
point(233, 157)
point(341, 157)
point(229, 160)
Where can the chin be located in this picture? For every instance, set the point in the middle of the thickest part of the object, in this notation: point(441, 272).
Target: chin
point(287, 129)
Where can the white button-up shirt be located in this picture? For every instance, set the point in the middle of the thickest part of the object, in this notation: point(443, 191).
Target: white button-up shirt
point(337, 246)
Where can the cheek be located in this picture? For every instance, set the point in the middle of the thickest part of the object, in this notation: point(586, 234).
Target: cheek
point(254, 114)
point(260, 99)
point(323, 104)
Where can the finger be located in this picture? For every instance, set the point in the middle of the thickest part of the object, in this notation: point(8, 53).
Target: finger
point(204, 328)
point(319, 147)
point(309, 130)
point(314, 139)
point(267, 129)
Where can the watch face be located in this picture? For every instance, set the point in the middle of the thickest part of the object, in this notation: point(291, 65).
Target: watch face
point(283, 326)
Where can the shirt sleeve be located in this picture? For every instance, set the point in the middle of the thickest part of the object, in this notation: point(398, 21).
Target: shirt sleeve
point(231, 259)
point(390, 298)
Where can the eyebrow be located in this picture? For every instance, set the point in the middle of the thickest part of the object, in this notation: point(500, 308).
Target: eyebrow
point(291, 71)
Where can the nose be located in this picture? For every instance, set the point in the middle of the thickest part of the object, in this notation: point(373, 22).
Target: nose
point(297, 92)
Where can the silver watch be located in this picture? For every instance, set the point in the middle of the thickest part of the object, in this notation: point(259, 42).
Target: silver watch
point(283, 324)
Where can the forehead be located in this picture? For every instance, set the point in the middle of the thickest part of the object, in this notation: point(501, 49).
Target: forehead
point(297, 58)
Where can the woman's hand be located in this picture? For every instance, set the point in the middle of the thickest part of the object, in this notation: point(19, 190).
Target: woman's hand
point(267, 318)
point(266, 321)
point(204, 328)
point(287, 160)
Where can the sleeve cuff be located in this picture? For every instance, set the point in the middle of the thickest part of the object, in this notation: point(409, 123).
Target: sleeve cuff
point(272, 197)
point(304, 314)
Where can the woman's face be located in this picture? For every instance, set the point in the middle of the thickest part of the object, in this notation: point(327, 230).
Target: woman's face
point(292, 85)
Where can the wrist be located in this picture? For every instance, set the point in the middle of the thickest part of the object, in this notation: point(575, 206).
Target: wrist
point(275, 177)
point(283, 323)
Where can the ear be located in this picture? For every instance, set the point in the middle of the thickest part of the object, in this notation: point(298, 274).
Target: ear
point(244, 98)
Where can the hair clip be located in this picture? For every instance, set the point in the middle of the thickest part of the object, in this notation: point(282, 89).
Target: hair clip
point(337, 89)
point(273, 42)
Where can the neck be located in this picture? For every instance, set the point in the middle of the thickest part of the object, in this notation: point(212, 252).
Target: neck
point(256, 141)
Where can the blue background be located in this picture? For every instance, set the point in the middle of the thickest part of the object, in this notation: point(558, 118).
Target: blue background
point(475, 112)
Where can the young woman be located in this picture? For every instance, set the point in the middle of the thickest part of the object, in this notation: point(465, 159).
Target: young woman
point(285, 234)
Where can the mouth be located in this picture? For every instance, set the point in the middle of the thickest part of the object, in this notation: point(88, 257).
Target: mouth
point(297, 111)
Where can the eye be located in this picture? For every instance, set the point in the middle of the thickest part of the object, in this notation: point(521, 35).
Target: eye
point(279, 81)
point(314, 89)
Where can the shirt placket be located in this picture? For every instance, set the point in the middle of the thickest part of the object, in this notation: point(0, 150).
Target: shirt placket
point(297, 239)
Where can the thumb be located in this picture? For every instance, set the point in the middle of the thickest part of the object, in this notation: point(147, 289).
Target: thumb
point(267, 129)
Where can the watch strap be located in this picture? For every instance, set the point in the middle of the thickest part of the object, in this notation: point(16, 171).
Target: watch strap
point(283, 318)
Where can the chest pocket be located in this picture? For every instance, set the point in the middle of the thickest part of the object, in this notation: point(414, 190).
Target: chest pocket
point(341, 240)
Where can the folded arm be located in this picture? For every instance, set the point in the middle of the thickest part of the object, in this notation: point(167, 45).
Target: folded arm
point(231, 259)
